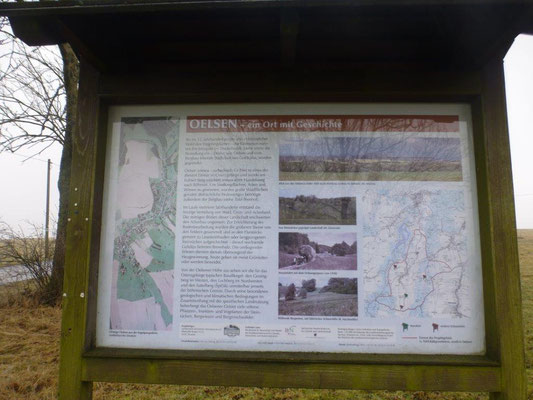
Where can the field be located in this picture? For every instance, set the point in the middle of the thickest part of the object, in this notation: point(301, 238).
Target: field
point(375, 158)
point(310, 210)
point(321, 304)
point(29, 355)
point(322, 261)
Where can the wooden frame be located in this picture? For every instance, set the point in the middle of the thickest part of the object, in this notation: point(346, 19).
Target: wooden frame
point(501, 371)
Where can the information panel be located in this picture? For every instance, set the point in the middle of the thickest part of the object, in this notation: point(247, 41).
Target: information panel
point(291, 227)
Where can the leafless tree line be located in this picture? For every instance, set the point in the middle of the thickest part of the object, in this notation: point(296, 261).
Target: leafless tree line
point(38, 102)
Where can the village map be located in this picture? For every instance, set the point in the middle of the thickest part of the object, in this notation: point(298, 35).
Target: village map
point(143, 258)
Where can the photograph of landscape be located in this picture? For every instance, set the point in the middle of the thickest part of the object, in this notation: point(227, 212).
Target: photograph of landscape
point(370, 158)
point(318, 251)
point(313, 210)
point(333, 297)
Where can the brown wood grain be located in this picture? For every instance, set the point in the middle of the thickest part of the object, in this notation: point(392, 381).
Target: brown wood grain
point(366, 83)
point(292, 357)
point(76, 282)
point(312, 375)
point(485, 222)
point(505, 267)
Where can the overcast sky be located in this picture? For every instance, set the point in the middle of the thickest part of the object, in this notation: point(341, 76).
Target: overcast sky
point(519, 87)
point(23, 183)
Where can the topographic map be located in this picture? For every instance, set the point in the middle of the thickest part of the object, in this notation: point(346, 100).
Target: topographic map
point(143, 257)
point(415, 253)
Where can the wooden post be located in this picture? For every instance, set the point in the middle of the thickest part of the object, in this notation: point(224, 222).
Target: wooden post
point(506, 272)
point(47, 213)
point(77, 259)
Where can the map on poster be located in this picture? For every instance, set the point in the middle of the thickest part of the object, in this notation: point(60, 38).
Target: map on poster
point(415, 255)
point(143, 260)
point(301, 228)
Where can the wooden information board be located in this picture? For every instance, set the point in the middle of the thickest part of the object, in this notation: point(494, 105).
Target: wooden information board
point(279, 194)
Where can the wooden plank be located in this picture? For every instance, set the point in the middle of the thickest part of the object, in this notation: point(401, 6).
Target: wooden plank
point(34, 31)
point(81, 49)
point(485, 219)
point(364, 83)
point(292, 357)
point(506, 289)
point(96, 222)
point(105, 6)
point(76, 281)
point(275, 374)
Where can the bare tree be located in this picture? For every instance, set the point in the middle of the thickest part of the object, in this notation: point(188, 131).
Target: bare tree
point(38, 102)
point(27, 252)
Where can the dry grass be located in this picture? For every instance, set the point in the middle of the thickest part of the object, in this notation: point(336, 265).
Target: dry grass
point(29, 354)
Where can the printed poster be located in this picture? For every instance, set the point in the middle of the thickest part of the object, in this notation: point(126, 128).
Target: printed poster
point(312, 228)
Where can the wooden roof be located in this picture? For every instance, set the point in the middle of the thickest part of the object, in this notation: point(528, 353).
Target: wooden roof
point(137, 34)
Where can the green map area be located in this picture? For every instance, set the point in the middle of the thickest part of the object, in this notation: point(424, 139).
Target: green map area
point(152, 231)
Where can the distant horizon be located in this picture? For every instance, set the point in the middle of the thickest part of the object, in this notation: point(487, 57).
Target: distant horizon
point(373, 148)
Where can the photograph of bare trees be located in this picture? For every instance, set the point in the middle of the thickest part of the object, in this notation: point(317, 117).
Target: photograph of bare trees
point(370, 158)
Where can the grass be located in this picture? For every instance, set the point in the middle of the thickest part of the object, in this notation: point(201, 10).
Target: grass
point(29, 356)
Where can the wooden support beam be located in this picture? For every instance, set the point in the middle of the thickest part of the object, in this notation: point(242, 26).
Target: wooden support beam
point(79, 47)
point(78, 244)
point(505, 289)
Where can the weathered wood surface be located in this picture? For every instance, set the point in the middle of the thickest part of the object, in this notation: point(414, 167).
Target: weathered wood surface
point(79, 226)
point(75, 7)
point(439, 33)
point(293, 357)
point(343, 85)
point(505, 288)
point(319, 376)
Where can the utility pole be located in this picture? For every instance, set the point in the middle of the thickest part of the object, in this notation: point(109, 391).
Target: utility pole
point(46, 223)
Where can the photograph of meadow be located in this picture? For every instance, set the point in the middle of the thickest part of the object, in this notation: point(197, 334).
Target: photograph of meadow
point(333, 297)
point(370, 158)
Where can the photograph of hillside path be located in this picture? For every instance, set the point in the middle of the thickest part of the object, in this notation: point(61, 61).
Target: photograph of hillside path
point(318, 250)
